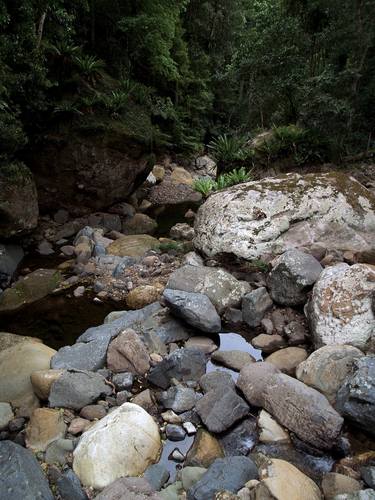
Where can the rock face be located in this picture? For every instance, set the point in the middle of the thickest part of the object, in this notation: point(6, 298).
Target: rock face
point(340, 310)
point(21, 475)
point(122, 444)
point(220, 287)
point(327, 368)
point(195, 308)
point(302, 410)
point(18, 201)
point(292, 276)
point(290, 211)
point(356, 398)
point(127, 353)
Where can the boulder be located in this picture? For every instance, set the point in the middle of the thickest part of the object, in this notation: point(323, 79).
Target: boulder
point(69, 487)
point(195, 308)
point(340, 310)
point(45, 426)
point(157, 475)
point(76, 389)
point(132, 246)
point(327, 368)
point(17, 363)
point(292, 276)
point(29, 289)
point(268, 343)
point(182, 231)
point(255, 305)
point(178, 399)
point(356, 398)
point(235, 360)
point(241, 438)
point(215, 380)
point(18, 201)
point(127, 353)
point(139, 224)
point(303, 410)
point(288, 359)
point(122, 444)
point(272, 215)
point(21, 475)
point(191, 475)
point(205, 450)
point(42, 381)
point(336, 484)
point(170, 193)
point(220, 287)
point(143, 295)
point(254, 379)
point(181, 176)
point(10, 257)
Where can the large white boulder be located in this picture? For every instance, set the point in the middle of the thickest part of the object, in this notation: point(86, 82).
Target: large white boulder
point(265, 217)
point(340, 310)
point(122, 444)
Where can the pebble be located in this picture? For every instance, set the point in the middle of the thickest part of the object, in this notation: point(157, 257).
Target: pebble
point(175, 432)
point(177, 456)
point(189, 428)
point(79, 291)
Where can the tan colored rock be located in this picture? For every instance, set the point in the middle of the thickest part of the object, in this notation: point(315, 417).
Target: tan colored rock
point(288, 359)
point(280, 480)
point(253, 381)
point(234, 359)
point(270, 430)
point(204, 344)
point(16, 365)
point(268, 343)
point(8, 340)
point(45, 426)
point(143, 295)
point(127, 353)
point(139, 224)
point(42, 381)
point(337, 484)
point(158, 172)
point(181, 176)
point(206, 448)
point(79, 425)
point(133, 246)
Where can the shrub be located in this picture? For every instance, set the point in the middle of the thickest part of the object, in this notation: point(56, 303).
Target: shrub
point(90, 67)
point(205, 185)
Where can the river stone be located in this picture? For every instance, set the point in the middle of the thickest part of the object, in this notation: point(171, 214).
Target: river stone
point(240, 439)
point(122, 444)
point(275, 214)
point(6, 415)
point(76, 389)
point(357, 495)
point(178, 399)
point(17, 363)
point(336, 484)
point(204, 344)
point(340, 310)
point(157, 475)
point(280, 480)
point(205, 450)
point(195, 308)
point(255, 305)
point(45, 426)
point(10, 256)
point(292, 276)
point(133, 246)
point(303, 410)
point(170, 193)
point(143, 295)
point(191, 475)
point(288, 359)
point(29, 289)
point(254, 379)
point(228, 474)
point(368, 475)
point(235, 360)
point(356, 398)
point(268, 343)
point(182, 364)
point(69, 487)
point(42, 381)
point(57, 451)
point(129, 488)
point(127, 353)
point(220, 408)
point(221, 288)
point(21, 475)
point(215, 380)
point(327, 368)
point(270, 430)
point(139, 224)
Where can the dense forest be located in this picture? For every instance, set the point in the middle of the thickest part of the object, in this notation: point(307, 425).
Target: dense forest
point(179, 74)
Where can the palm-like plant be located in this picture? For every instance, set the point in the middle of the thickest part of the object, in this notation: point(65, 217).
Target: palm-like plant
point(90, 68)
point(204, 185)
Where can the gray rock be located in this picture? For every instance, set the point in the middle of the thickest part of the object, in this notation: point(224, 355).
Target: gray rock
point(253, 381)
point(182, 364)
point(191, 475)
point(255, 305)
point(45, 248)
point(233, 315)
point(220, 287)
point(215, 380)
point(123, 381)
point(368, 475)
point(195, 308)
point(69, 487)
point(219, 409)
point(356, 398)
point(57, 451)
point(157, 475)
point(21, 475)
point(358, 495)
point(178, 399)
point(293, 275)
point(129, 488)
point(10, 257)
point(76, 389)
point(241, 439)
point(6, 415)
point(193, 259)
point(225, 474)
point(175, 432)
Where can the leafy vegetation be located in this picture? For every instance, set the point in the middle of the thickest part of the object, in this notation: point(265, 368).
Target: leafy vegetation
point(206, 185)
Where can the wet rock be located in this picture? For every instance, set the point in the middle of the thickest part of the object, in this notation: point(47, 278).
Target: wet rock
point(10, 257)
point(69, 487)
point(45, 426)
point(21, 474)
point(205, 449)
point(195, 308)
point(254, 379)
point(129, 488)
point(123, 443)
point(340, 310)
point(175, 432)
point(182, 231)
point(178, 399)
point(76, 389)
point(177, 455)
point(156, 475)
point(336, 484)
point(292, 276)
point(327, 368)
point(182, 364)
point(229, 474)
point(143, 295)
point(241, 438)
point(356, 398)
point(255, 305)
point(139, 224)
point(235, 360)
point(268, 343)
point(215, 380)
point(302, 410)
point(6, 415)
point(133, 246)
point(221, 288)
point(220, 408)
point(270, 430)
point(127, 353)
point(287, 360)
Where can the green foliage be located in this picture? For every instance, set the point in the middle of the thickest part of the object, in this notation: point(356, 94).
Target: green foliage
point(206, 185)
point(90, 67)
point(170, 245)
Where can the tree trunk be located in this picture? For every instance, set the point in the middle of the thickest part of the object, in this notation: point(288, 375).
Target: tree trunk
point(39, 34)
